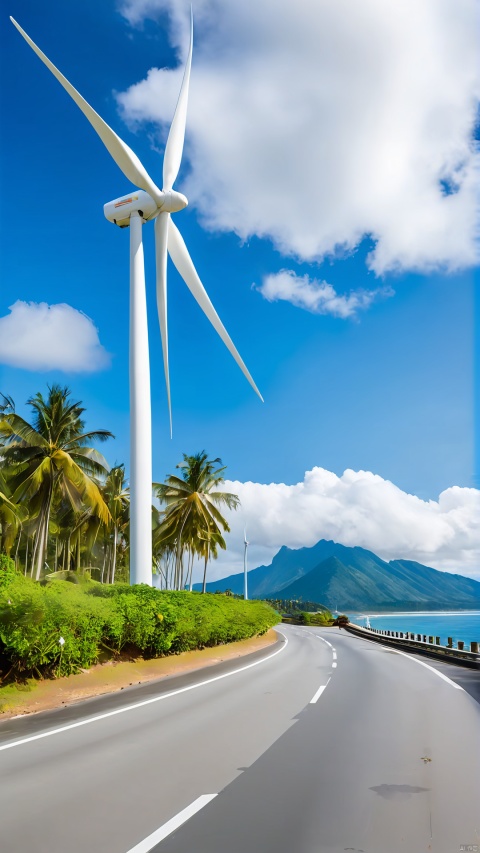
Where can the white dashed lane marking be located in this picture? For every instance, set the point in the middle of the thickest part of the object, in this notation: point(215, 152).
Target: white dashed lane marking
point(319, 692)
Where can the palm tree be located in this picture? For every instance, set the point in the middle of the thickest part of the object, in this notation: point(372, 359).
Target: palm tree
point(11, 515)
point(163, 553)
point(192, 520)
point(52, 457)
point(208, 548)
point(117, 498)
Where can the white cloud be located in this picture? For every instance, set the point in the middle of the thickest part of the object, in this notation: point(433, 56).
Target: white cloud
point(318, 297)
point(358, 508)
point(316, 123)
point(37, 336)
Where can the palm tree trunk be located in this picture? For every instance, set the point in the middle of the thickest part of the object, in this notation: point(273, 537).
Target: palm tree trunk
point(190, 576)
point(179, 559)
point(26, 558)
point(104, 562)
point(204, 586)
point(18, 546)
point(34, 551)
point(37, 560)
point(114, 555)
point(78, 553)
point(107, 564)
point(43, 530)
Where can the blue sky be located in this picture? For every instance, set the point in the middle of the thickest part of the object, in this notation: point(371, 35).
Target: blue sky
point(388, 390)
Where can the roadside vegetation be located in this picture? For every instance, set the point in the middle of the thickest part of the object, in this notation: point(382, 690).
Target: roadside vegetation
point(303, 612)
point(58, 628)
point(65, 602)
point(324, 618)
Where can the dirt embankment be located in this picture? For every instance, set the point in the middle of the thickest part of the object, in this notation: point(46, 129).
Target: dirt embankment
point(110, 677)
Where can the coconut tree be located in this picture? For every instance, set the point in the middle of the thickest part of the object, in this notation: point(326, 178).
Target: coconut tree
point(208, 548)
point(11, 515)
point(52, 456)
point(117, 498)
point(163, 552)
point(192, 519)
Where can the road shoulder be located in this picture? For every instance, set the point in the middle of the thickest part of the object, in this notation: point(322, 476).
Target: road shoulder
point(37, 696)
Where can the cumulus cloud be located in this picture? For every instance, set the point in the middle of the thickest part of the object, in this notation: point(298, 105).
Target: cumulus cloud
point(358, 508)
point(37, 336)
point(318, 297)
point(315, 124)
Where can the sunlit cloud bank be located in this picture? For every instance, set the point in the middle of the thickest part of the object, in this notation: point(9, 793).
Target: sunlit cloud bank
point(318, 123)
point(36, 336)
point(318, 297)
point(358, 508)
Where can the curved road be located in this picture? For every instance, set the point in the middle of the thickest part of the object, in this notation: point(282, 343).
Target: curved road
point(323, 744)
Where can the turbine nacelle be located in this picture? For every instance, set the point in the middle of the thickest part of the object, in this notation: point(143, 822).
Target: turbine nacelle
point(119, 210)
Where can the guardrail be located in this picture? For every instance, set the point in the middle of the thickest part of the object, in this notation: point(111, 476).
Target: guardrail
point(422, 644)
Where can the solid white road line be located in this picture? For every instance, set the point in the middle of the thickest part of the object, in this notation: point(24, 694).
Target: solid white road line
point(427, 666)
point(318, 693)
point(172, 824)
point(143, 703)
point(324, 641)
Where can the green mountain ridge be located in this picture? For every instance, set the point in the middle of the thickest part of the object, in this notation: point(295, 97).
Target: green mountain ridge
point(353, 578)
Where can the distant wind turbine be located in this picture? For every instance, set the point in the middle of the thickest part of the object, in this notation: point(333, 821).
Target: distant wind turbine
point(245, 570)
point(144, 204)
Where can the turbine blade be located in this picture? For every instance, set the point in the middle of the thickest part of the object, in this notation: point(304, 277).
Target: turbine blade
point(183, 262)
point(161, 236)
point(126, 160)
point(174, 147)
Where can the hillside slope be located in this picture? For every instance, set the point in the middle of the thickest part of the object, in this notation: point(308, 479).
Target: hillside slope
point(353, 578)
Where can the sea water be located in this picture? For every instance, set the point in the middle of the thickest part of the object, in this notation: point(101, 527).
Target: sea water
point(460, 625)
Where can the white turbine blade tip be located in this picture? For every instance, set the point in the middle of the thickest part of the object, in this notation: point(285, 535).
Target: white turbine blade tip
point(184, 264)
point(126, 160)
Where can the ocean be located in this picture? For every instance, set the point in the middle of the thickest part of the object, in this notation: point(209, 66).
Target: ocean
point(460, 625)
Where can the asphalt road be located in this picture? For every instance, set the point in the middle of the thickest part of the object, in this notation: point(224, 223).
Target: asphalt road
point(326, 744)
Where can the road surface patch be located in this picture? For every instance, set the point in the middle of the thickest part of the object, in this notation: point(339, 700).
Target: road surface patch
point(427, 666)
point(141, 704)
point(172, 824)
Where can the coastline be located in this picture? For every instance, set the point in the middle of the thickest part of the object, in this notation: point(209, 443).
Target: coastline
point(459, 625)
point(387, 613)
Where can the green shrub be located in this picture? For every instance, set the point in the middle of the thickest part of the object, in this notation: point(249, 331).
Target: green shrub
point(323, 619)
point(8, 572)
point(91, 617)
point(33, 618)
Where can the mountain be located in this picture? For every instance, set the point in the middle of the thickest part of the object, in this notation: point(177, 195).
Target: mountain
point(286, 566)
point(352, 579)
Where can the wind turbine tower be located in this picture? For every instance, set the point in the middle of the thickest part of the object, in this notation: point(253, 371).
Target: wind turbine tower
point(245, 569)
point(144, 204)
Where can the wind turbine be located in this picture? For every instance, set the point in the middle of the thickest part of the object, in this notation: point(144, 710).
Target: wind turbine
point(147, 202)
point(245, 570)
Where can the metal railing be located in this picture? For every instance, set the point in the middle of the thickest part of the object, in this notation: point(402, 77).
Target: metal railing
point(426, 644)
